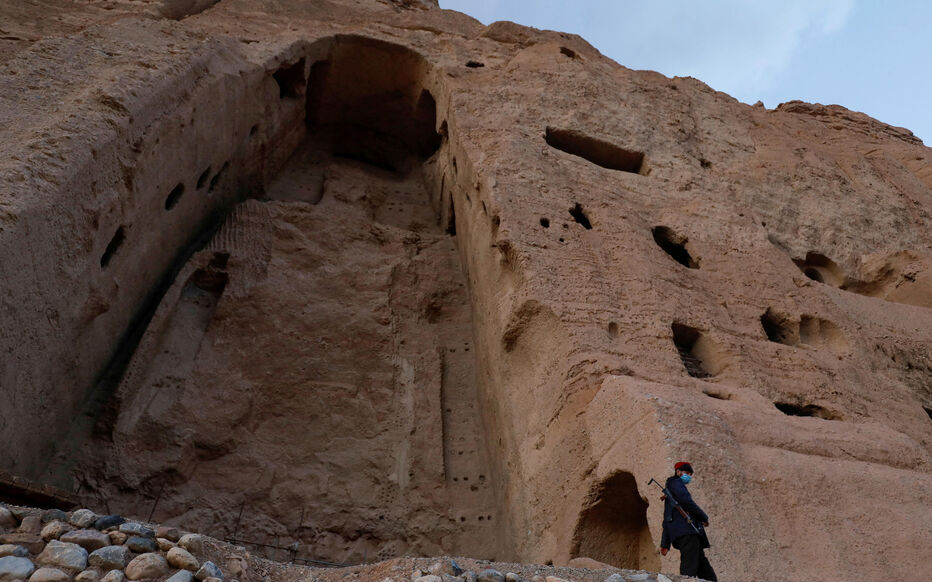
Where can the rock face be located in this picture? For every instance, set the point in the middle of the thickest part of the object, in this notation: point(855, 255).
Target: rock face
point(456, 289)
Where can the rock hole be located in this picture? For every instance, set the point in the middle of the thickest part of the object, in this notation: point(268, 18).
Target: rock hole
point(691, 344)
point(174, 196)
point(780, 328)
point(612, 527)
point(818, 332)
point(579, 216)
point(706, 164)
point(598, 152)
point(202, 179)
point(216, 179)
point(791, 409)
point(290, 79)
point(253, 130)
point(928, 411)
point(545, 222)
point(474, 64)
point(568, 52)
point(822, 269)
point(113, 246)
point(674, 245)
point(613, 330)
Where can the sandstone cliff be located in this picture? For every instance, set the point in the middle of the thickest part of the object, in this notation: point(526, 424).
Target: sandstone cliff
point(378, 279)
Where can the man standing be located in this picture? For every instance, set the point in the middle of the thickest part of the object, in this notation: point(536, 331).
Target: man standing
point(688, 538)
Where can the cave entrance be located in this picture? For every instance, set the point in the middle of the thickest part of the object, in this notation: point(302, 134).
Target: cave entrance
point(368, 101)
point(612, 527)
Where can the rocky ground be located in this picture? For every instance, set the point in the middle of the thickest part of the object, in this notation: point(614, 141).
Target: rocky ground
point(56, 546)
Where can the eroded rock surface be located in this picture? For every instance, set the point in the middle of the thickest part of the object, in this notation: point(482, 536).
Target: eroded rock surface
point(374, 279)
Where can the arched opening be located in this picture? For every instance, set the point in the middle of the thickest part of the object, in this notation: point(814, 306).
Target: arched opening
point(612, 527)
point(822, 269)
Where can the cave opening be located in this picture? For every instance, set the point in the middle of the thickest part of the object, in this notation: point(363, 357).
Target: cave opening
point(779, 328)
point(674, 245)
point(694, 350)
point(791, 409)
point(821, 269)
point(612, 527)
point(291, 81)
point(600, 153)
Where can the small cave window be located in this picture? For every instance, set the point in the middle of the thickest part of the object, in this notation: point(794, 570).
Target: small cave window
point(579, 216)
point(693, 349)
point(202, 179)
point(567, 52)
point(474, 64)
point(601, 153)
point(822, 269)
point(791, 409)
point(780, 328)
point(674, 245)
point(291, 81)
point(113, 246)
point(612, 528)
point(545, 222)
point(174, 196)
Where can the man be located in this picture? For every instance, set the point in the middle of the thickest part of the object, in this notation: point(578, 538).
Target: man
point(677, 529)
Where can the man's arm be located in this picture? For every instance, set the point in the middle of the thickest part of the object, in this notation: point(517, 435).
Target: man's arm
point(681, 493)
point(664, 541)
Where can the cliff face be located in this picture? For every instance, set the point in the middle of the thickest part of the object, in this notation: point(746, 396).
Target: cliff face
point(400, 283)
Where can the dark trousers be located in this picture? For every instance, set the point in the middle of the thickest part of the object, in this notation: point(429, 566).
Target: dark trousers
point(692, 558)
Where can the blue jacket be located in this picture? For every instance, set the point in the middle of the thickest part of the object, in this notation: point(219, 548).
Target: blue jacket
point(674, 524)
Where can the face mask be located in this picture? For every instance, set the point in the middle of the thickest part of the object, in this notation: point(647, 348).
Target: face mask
point(686, 478)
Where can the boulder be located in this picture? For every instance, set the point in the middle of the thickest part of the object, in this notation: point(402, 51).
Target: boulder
point(182, 559)
point(146, 566)
point(131, 528)
point(114, 576)
point(490, 575)
point(108, 521)
point(49, 575)
point(31, 541)
point(512, 577)
point(15, 568)
point(54, 515)
point(89, 539)
point(31, 524)
point(7, 521)
point(13, 550)
point(83, 518)
point(167, 532)
point(53, 530)
point(87, 576)
point(142, 545)
point(110, 558)
point(194, 543)
point(428, 578)
point(615, 578)
point(208, 570)
point(181, 576)
point(164, 544)
point(71, 558)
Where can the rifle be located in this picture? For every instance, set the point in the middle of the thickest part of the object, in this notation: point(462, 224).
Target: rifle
point(675, 505)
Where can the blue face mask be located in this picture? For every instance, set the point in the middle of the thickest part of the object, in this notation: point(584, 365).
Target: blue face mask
point(686, 478)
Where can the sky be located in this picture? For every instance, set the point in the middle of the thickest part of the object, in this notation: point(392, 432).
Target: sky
point(872, 56)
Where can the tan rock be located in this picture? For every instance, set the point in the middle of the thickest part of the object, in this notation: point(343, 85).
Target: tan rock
point(87, 576)
point(145, 566)
point(193, 543)
point(49, 575)
point(113, 576)
point(164, 544)
point(117, 538)
point(31, 524)
point(182, 559)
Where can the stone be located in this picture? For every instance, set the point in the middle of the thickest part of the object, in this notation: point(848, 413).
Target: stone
point(83, 518)
point(468, 576)
point(212, 579)
point(208, 570)
point(87, 576)
point(110, 558)
point(89, 539)
point(13, 550)
point(146, 566)
point(428, 578)
point(662, 578)
point(512, 577)
point(490, 575)
point(7, 521)
point(181, 576)
point(108, 521)
point(639, 577)
point(53, 530)
point(114, 576)
point(194, 543)
point(31, 541)
point(49, 575)
point(71, 558)
point(141, 545)
point(168, 532)
point(15, 568)
point(164, 544)
point(555, 579)
point(441, 567)
point(615, 578)
point(31, 524)
point(54, 515)
point(117, 538)
point(182, 559)
point(137, 529)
